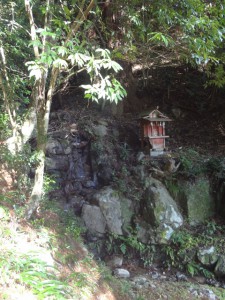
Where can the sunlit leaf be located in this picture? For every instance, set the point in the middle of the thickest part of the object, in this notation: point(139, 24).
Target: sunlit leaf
point(60, 63)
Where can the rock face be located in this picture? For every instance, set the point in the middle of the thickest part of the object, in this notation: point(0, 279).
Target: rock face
point(68, 161)
point(110, 208)
point(160, 210)
point(82, 173)
point(197, 200)
point(111, 212)
point(60, 164)
point(94, 219)
point(54, 147)
point(104, 179)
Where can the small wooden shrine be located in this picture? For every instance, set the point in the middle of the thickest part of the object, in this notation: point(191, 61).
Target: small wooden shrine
point(153, 131)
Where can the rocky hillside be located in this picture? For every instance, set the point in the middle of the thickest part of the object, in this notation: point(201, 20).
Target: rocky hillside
point(47, 258)
point(112, 211)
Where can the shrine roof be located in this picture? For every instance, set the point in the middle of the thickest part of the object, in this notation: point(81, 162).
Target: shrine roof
point(155, 115)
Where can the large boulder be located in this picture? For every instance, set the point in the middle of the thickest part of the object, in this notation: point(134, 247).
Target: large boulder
point(54, 147)
point(116, 209)
point(160, 210)
point(196, 199)
point(57, 162)
point(94, 220)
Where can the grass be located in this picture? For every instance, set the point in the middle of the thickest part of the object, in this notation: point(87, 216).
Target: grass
point(46, 258)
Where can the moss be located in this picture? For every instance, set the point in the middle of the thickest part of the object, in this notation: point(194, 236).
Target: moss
point(196, 200)
point(127, 213)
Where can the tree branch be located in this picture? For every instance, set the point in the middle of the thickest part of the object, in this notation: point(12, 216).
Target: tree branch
point(32, 27)
point(6, 89)
point(79, 20)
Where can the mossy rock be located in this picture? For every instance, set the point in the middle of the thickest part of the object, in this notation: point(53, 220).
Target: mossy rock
point(160, 210)
point(196, 200)
point(207, 256)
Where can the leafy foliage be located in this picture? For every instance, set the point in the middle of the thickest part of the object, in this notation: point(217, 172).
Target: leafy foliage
point(131, 247)
point(4, 122)
point(18, 166)
point(194, 163)
point(181, 252)
point(39, 276)
point(169, 32)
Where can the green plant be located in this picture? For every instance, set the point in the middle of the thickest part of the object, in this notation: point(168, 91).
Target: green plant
point(170, 255)
point(73, 226)
point(182, 250)
point(215, 165)
point(35, 273)
point(4, 128)
point(123, 286)
point(212, 228)
point(195, 269)
point(184, 239)
point(121, 185)
point(127, 244)
point(80, 279)
point(6, 199)
point(192, 162)
point(131, 247)
point(172, 187)
point(18, 167)
point(41, 278)
point(124, 151)
point(70, 224)
point(123, 248)
point(49, 184)
point(38, 223)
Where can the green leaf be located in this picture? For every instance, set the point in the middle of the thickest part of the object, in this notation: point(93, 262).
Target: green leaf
point(36, 73)
point(60, 63)
point(62, 51)
point(123, 248)
point(105, 53)
point(35, 43)
point(67, 12)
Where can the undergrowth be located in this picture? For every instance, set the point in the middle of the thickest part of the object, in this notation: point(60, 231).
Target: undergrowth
point(131, 248)
point(46, 258)
point(34, 273)
point(194, 163)
point(182, 250)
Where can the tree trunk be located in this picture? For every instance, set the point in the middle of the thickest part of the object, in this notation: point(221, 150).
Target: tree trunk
point(8, 96)
point(43, 115)
point(37, 191)
point(24, 132)
point(43, 107)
